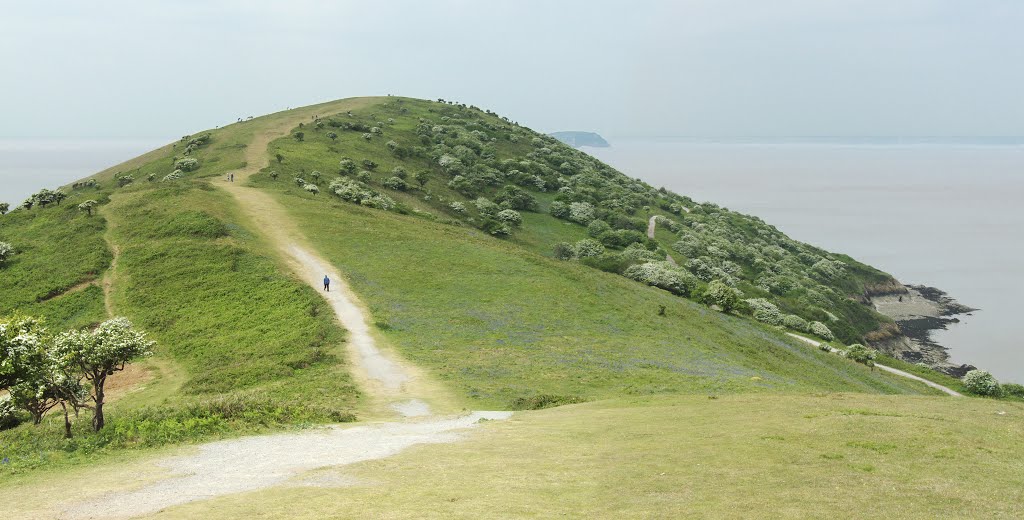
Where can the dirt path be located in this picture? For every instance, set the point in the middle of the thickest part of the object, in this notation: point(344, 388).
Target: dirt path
point(253, 463)
point(651, 226)
point(886, 368)
point(394, 385)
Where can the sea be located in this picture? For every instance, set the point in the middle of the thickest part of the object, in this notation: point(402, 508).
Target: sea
point(30, 164)
point(941, 212)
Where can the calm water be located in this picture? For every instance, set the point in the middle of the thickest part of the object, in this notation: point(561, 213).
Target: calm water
point(31, 164)
point(946, 214)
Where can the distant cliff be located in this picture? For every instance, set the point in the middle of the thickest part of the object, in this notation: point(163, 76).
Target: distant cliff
point(578, 139)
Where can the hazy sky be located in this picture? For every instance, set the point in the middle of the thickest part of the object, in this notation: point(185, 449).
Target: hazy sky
point(693, 68)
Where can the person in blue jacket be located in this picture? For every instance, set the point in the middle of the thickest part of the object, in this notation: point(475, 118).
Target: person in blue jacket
point(327, 283)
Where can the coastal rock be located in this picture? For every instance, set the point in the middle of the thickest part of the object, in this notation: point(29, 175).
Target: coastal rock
point(917, 311)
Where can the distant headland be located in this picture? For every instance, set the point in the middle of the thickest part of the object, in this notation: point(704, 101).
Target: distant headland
point(578, 139)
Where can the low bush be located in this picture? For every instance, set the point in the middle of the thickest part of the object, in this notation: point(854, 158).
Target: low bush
point(861, 354)
point(980, 382)
point(588, 247)
point(538, 402)
point(819, 329)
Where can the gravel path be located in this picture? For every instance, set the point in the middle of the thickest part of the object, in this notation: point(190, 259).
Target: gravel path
point(886, 368)
point(253, 463)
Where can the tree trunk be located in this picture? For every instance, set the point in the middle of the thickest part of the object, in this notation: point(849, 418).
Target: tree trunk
point(97, 417)
point(67, 421)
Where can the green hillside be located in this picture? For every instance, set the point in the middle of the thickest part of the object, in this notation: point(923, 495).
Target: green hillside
point(512, 269)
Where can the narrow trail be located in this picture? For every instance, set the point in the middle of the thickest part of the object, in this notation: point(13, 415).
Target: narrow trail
point(886, 368)
point(651, 226)
point(397, 386)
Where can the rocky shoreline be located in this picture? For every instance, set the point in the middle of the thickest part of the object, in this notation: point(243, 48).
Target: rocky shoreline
point(918, 310)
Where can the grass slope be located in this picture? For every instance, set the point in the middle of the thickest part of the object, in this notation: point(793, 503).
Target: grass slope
point(743, 456)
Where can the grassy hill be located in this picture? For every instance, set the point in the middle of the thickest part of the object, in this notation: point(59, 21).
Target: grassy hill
point(473, 242)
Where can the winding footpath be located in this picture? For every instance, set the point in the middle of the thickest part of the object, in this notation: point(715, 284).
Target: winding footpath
point(397, 391)
point(651, 226)
point(885, 368)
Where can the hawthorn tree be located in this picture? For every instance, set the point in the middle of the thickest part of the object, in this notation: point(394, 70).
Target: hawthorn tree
point(332, 136)
point(99, 353)
point(4, 208)
point(300, 136)
point(87, 206)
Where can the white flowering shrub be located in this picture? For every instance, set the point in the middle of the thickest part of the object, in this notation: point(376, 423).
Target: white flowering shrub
point(819, 329)
point(173, 176)
point(449, 163)
point(588, 247)
point(559, 209)
point(720, 294)
point(638, 253)
point(486, 207)
point(312, 188)
point(981, 382)
point(347, 166)
point(379, 201)
point(376, 130)
point(792, 321)
point(828, 269)
point(188, 164)
point(392, 145)
point(510, 217)
point(581, 212)
point(6, 251)
point(87, 206)
point(663, 275)
point(765, 311)
point(457, 207)
point(8, 413)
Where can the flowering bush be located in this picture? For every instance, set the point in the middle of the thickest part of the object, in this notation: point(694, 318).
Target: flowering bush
point(395, 183)
point(8, 413)
point(486, 207)
point(559, 209)
point(981, 382)
point(312, 188)
point(173, 176)
point(510, 217)
point(795, 322)
point(582, 212)
point(720, 294)
point(457, 207)
point(347, 166)
point(663, 275)
point(187, 164)
point(6, 251)
point(819, 329)
point(861, 354)
point(587, 248)
point(765, 311)
point(596, 227)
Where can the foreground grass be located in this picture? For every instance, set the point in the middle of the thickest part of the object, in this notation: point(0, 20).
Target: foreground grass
point(794, 456)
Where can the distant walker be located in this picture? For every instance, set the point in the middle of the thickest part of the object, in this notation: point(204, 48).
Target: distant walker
point(327, 283)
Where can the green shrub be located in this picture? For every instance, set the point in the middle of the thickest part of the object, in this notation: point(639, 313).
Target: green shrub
point(1013, 390)
point(720, 294)
point(795, 322)
point(861, 354)
point(980, 382)
point(538, 402)
point(188, 164)
point(563, 251)
point(588, 247)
